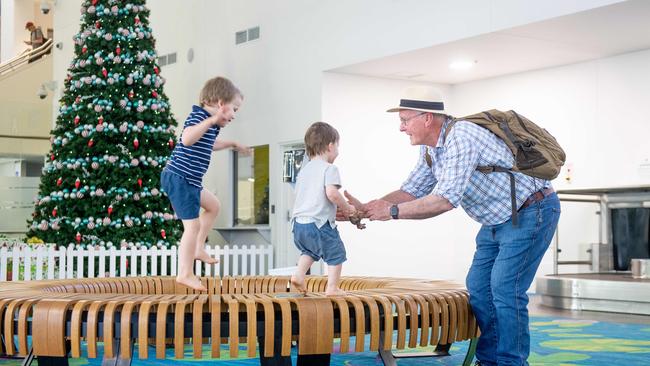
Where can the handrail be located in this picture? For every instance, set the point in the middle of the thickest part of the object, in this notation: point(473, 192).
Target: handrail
point(24, 57)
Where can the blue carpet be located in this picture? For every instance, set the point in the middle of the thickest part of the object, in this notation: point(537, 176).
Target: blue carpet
point(558, 342)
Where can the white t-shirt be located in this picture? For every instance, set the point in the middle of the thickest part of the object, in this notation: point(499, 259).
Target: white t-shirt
point(312, 204)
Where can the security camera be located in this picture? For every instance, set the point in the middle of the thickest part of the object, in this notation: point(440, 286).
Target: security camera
point(45, 7)
point(42, 93)
point(59, 45)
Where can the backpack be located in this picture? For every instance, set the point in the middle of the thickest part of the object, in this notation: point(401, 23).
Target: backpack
point(536, 152)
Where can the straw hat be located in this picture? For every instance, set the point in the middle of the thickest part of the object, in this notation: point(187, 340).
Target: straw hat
point(421, 98)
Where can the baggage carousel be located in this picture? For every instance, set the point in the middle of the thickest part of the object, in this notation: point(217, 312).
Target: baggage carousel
point(610, 292)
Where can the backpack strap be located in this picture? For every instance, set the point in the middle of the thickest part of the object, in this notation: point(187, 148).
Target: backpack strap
point(489, 169)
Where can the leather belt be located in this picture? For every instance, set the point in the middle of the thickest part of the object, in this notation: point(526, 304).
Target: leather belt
point(536, 197)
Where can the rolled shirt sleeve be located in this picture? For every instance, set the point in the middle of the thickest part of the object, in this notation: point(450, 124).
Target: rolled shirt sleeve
point(421, 180)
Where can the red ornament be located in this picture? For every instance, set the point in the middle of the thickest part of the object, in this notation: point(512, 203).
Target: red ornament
point(163, 234)
point(98, 24)
point(84, 49)
point(76, 120)
point(156, 70)
point(78, 237)
point(170, 143)
point(94, 2)
point(91, 142)
point(136, 143)
point(78, 99)
point(100, 120)
point(59, 181)
point(154, 94)
point(104, 72)
point(77, 183)
point(137, 19)
point(54, 212)
point(118, 50)
point(131, 93)
point(110, 210)
point(52, 157)
point(140, 182)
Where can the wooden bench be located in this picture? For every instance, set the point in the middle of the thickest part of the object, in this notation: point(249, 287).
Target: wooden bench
point(60, 314)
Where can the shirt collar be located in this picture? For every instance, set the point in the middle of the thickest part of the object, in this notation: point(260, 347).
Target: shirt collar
point(199, 110)
point(441, 138)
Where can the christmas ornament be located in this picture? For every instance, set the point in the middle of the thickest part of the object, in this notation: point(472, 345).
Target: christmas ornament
point(110, 210)
point(54, 212)
point(59, 181)
point(136, 143)
point(140, 182)
point(77, 183)
point(78, 237)
point(91, 142)
point(163, 234)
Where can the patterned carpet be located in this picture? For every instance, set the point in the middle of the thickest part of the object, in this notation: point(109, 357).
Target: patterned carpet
point(558, 342)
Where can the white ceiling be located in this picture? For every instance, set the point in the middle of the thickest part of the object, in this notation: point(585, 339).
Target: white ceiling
point(597, 33)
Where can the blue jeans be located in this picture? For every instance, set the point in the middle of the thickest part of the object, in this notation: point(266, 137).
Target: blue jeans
point(503, 269)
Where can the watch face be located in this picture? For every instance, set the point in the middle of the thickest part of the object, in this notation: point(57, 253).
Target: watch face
point(394, 211)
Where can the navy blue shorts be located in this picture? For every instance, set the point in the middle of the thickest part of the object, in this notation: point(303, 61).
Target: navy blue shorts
point(185, 198)
point(319, 243)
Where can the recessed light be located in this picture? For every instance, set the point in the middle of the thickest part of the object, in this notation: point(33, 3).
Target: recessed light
point(462, 65)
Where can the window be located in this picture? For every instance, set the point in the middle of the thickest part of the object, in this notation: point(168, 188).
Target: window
point(252, 187)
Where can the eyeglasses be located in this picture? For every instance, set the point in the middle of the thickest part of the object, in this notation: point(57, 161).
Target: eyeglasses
point(403, 121)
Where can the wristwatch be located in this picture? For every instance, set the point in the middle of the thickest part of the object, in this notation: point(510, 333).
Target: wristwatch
point(394, 211)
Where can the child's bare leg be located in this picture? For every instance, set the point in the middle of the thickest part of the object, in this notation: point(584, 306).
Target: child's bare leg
point(298, 278)
point(186, 256)
point(210, 205)
point(333, 277)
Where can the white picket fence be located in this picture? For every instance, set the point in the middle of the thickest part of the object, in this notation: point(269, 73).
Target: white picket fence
point(46, 262)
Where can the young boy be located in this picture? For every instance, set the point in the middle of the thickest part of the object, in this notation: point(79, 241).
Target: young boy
point(317, 197)
point(182, 177)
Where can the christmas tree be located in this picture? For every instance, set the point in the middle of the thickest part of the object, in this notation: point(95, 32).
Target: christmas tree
point(113, 135)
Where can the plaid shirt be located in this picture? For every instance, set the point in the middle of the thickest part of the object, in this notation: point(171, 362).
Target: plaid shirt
point(453, 174)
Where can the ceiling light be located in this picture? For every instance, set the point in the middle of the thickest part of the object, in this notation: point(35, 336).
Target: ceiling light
point(462, 65)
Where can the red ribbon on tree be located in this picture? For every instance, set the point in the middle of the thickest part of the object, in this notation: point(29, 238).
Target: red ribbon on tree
point(77, 183)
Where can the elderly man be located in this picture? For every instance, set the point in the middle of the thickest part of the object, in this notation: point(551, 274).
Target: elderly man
point(507, 255)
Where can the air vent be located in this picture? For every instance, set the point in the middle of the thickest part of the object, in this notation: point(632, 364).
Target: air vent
point(253, 33)
point(240, 37)
point(171, 58)
point(162, 61)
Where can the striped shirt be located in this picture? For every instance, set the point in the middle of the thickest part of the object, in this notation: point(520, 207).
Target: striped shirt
point(453, 174)
point(192, 161)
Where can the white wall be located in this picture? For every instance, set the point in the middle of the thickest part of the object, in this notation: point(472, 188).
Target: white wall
point(595, 109)
point(281, 73)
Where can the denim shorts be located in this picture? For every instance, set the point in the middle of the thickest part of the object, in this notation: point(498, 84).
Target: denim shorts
point(185, 198)
point(319, 243)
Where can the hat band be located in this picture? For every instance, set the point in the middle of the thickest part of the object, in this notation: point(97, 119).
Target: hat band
point(419, 104)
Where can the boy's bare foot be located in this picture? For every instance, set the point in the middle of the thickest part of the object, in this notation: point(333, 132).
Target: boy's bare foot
point(204, 257)
point(299, 283)
point(192, 282)
point(334, 292)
